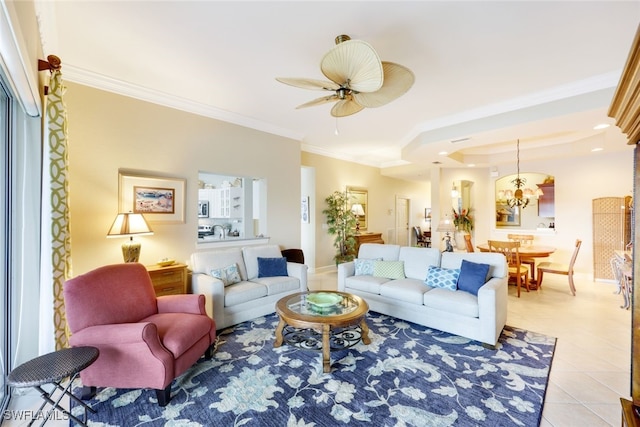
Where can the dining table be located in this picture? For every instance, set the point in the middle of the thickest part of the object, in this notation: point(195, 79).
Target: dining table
point(528, 251)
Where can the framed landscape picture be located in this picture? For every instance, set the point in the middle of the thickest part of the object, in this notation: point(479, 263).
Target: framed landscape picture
point(160, 199)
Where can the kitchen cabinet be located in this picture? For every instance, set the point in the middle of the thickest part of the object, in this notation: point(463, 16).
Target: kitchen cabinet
point(223, 202)
point(546, 202)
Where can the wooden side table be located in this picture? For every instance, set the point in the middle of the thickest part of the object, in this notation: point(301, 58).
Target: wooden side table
point(170, 280)
point(367, 238)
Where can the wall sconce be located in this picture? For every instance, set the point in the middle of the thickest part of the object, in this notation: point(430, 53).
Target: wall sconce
point(454, 191)
point(130, 224)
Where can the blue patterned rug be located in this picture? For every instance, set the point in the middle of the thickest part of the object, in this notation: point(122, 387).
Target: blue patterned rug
point(408, 376)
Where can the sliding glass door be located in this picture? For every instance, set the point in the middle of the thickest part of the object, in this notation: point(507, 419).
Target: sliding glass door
point(5, 236)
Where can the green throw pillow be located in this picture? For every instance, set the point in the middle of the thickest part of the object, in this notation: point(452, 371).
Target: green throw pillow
point(389, 269)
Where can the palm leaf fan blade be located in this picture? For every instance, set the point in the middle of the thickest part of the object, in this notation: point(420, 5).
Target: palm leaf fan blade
point(308, 83)
point(345, 107)
point(354, 64)
point(398, 79)
point(319, 101)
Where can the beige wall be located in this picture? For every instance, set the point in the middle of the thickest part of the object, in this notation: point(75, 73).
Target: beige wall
point(332, 175)
point(108, 132)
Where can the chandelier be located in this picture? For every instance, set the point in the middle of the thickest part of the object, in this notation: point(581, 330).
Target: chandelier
point(519, 199)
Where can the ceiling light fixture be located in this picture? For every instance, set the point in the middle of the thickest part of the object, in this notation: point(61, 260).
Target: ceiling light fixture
point(518, 198)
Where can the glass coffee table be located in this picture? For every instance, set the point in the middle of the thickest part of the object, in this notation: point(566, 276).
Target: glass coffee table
point(322, 321)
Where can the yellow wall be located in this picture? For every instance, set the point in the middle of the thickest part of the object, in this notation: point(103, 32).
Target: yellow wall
point(332, 175)
point(108, 132)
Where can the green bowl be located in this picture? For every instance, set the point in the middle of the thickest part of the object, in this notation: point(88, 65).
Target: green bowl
point(324, 299)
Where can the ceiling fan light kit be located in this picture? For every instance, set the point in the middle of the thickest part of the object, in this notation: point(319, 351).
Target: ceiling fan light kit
point(359, 79)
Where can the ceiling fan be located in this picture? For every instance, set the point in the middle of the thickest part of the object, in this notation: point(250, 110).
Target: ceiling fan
point(359, 79)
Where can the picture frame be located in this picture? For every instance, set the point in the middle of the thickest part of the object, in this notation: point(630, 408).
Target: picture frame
point(361, 196)
point(304, 210)
point(506, 215)
point(160, 199)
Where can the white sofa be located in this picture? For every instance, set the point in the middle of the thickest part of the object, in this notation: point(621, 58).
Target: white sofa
point(253, 296)
point(480, 317)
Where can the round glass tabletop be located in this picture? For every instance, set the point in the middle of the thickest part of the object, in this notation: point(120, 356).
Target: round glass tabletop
point(322, 303)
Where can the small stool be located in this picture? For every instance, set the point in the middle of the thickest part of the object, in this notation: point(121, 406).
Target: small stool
point(53, 368)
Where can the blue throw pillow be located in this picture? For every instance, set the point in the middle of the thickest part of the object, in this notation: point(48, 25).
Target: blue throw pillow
point(472, 276)
point(364, 266)
point(445, 278)
point(271, 267)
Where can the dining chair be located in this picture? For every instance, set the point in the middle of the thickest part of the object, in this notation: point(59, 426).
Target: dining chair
point(510, 249)
point(420, 239)
point(467, 242)
point(525, 239)
point(558, 268)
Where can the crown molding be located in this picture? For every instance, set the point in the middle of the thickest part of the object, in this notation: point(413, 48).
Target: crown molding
point(98, 81)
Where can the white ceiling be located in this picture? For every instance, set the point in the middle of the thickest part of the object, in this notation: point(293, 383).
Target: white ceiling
point(493, 72)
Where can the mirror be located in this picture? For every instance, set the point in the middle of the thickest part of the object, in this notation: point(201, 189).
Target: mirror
point(539, 213)
point(358, 198)
point(231, 207)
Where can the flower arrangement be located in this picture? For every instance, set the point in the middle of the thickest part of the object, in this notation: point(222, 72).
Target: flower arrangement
point(463, 220)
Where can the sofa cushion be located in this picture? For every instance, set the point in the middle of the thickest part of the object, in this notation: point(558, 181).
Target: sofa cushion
point(279, 284)
point(228, 275)
point(250, 255)
point(472, 276)
point(364, 266)
point(418, 260)
point(445, 278)
point(205, 261)
point(369, 284)
point(457, 302)
point(272, 267)
point(243, 292)
point(378, 250)
point(389, 269)
point(408, 290)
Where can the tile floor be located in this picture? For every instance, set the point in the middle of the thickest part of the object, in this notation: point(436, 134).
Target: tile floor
point(591, 367)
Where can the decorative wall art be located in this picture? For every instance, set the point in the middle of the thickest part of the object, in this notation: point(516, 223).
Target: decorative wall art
point(160, 199)
point(304, 210)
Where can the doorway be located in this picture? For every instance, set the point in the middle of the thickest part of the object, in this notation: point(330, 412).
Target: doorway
point(402, 221)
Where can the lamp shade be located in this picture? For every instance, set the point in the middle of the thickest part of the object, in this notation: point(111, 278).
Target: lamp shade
point(446, 225)
point(130, 224)
point(357, 209)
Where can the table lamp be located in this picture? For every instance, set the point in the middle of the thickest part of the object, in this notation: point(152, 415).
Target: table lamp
point(358, 211)
point(130, 224)
point(446, 226)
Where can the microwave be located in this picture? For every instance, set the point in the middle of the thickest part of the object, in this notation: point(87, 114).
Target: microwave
point(203, 209)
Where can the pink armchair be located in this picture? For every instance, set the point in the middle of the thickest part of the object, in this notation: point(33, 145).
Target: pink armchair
point(144, 341)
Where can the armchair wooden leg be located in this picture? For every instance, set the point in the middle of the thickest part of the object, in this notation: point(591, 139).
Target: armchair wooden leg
point(208, 354)
point(87, 392)
point(164, 396)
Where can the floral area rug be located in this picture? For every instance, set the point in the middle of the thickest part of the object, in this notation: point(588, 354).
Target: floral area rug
point(408, 376)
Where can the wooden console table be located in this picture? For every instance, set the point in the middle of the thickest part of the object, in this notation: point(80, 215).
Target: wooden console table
point(367, 238)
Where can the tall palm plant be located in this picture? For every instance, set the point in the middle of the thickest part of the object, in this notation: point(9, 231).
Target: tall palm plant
point(341, 222)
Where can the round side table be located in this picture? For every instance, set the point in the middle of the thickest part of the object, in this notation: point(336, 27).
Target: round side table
point(53, 368)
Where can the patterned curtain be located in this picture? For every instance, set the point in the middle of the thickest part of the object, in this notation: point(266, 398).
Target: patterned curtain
point(60, 237)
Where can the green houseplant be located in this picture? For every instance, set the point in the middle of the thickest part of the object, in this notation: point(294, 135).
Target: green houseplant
point(341, 222)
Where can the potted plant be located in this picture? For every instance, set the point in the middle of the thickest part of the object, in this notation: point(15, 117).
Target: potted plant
point(464, 224)
point(341, 222)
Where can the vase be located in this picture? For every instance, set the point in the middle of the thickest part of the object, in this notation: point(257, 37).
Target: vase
point(459, 238)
